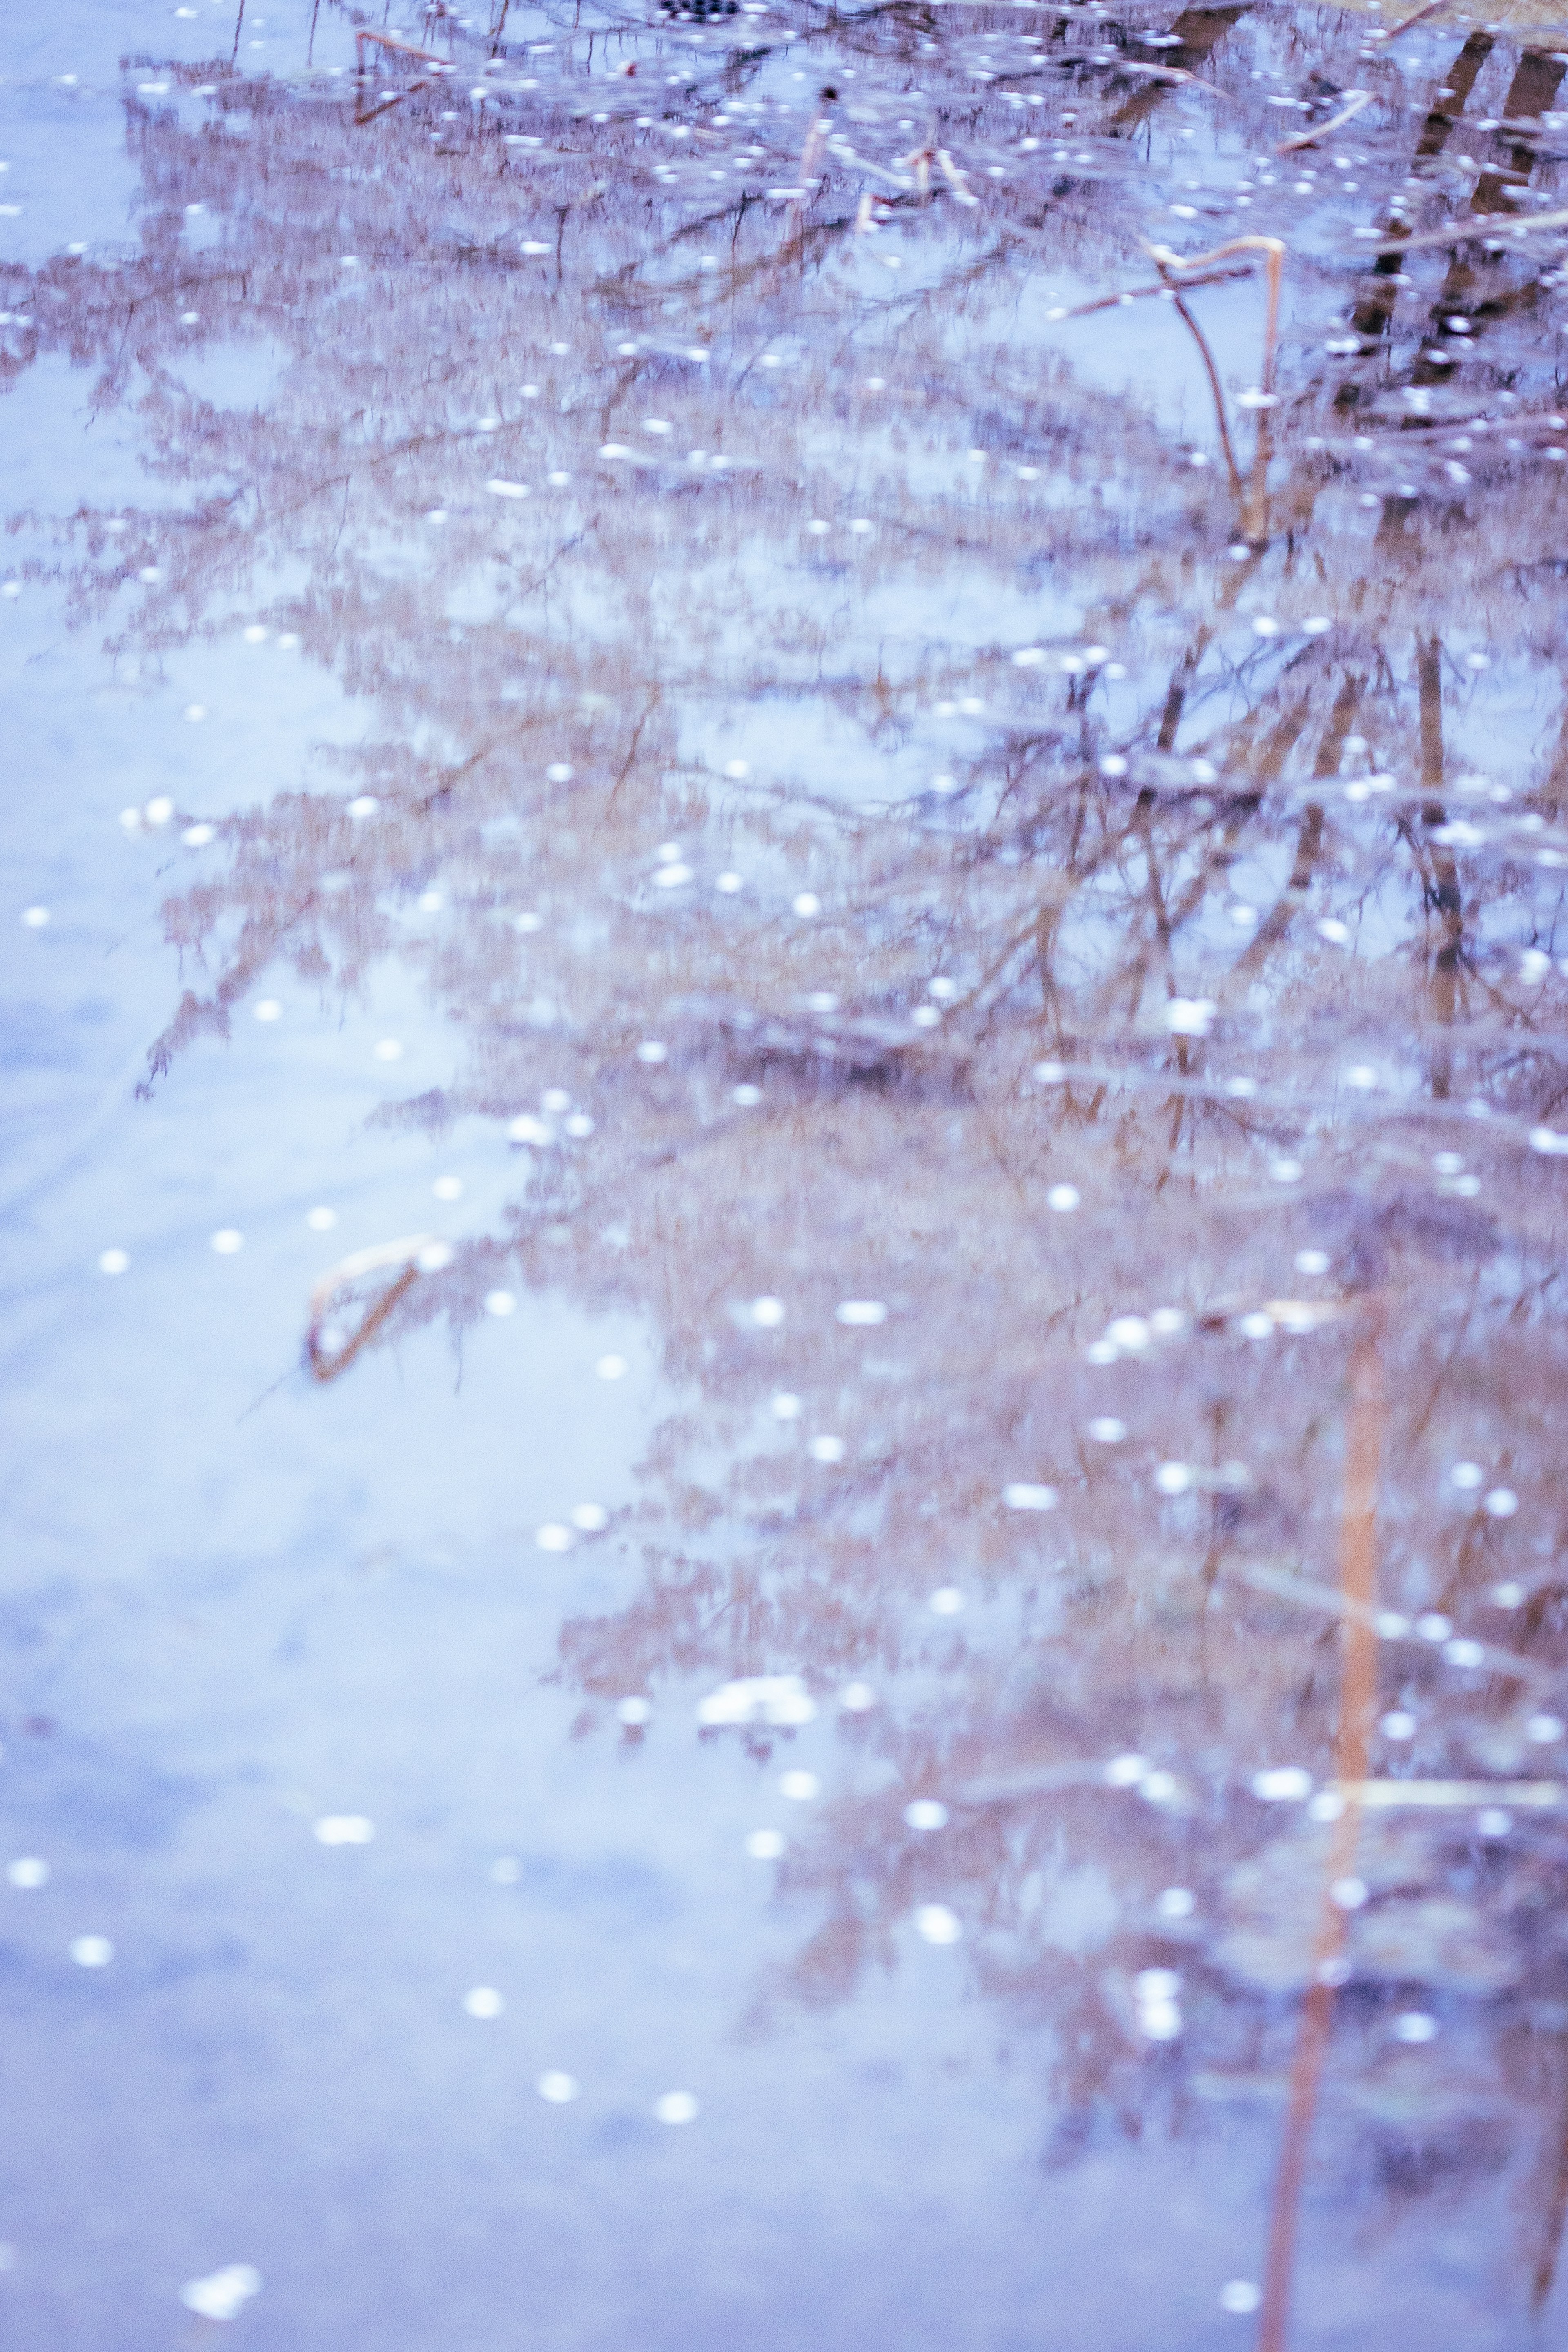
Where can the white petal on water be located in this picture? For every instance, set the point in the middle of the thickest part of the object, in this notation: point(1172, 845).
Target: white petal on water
point(387, 1049)
point(947, 1600)
point(434, 1258)
point(1544, 1729)
point(553, 1537)
point(1177, 1903)
point(1501, 1503)
point(114, 1261)
point(785, 1407)
point(1240, 2297)
point(1466, 1477)
point(806, 902)
point(765, 1845)
point(1107, 1430)
point(926, 1813)
point(222, 2294)
point(1397, 1724)
point(267, 1008)
point(827, 1449)
point(1126, 1771)
point(1022, 1496)
point(653, 1051)
point(799, 1786)
point(35, 919)
point(767, 1314)
point(781, 1699)
point(344, 1829)
point(857, 1698)
point(484, 2002)
point(448, 1188)
point(1190, 1016)
point(1311, 1261)
point(634, 1713)
point(1172, 1477)
point(1349, 1894)
point(612, 1368)
point(499, 1302)
point(1433, 1626)
point(91, 1951)
point(228, 1240)
point(27, 1873)
point(1282, 1784)
point(591, 1517)
point(937, 1924)
point(860, 1311)
point(1415, 2026)
point(676, 2107)
point(1063, 1198)
point(556, 2089)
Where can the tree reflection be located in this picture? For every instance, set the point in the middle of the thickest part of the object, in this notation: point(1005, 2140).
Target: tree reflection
point(1124, 959)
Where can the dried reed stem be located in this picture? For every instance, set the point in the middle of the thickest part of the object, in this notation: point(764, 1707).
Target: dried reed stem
point(1358, 1697)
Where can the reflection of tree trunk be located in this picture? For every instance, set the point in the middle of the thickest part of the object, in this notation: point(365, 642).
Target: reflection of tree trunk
point(1374, 310)
point(1545, 2271)
point(1309, 840)
point(1358, 1699)
point(1443, 897)
point(1464, 287)
point(1530, 93)
point(1201, 31)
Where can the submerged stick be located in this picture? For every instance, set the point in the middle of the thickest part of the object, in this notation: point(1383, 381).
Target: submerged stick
point(1358, 99)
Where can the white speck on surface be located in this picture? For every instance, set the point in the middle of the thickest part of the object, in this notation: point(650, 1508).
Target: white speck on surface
point(937, 1924)
point(344, 1829)
point(926, 1813)
point(677, 2107)
point(781, 1699)
point(765, 1845)
point(1282, 1784)
point(222, 2294)
point(484, 2002)
point(1020, 1496)
point(556, 2089)
point(114, 1261)
point(947, 1600)
point(1240, 2297)
point(91, 1951)
point(228, 1240)
point(28, 1873)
